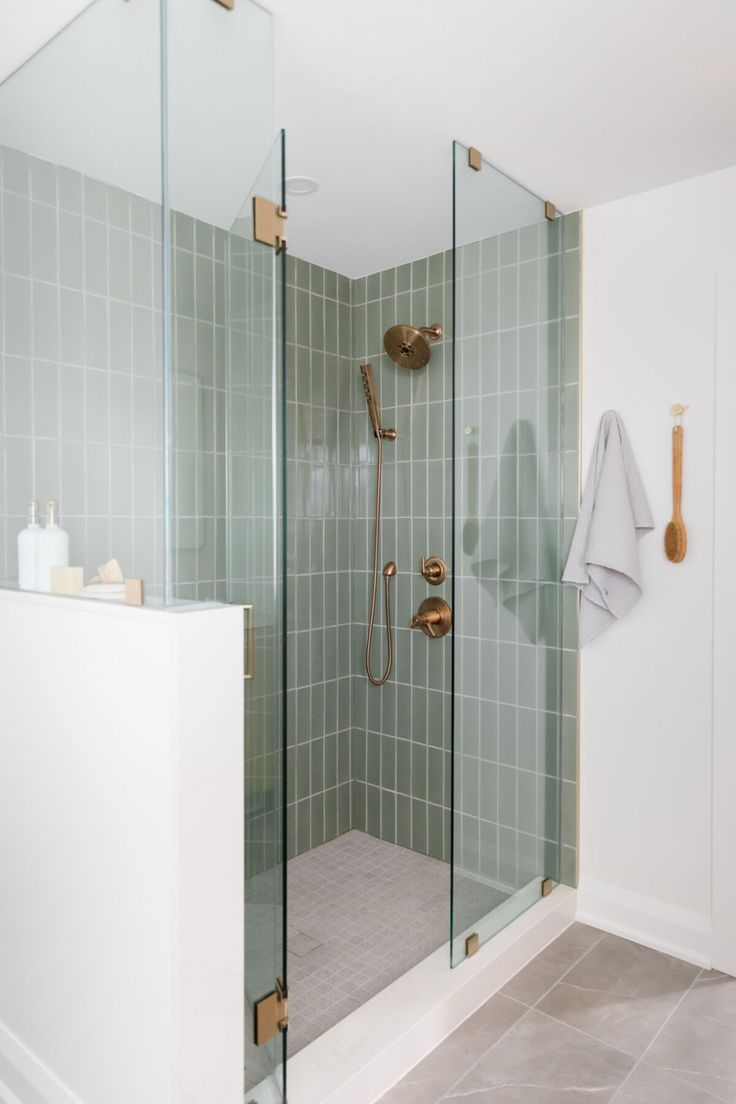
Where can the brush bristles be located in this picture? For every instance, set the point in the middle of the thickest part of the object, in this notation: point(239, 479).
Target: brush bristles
point(675, 542)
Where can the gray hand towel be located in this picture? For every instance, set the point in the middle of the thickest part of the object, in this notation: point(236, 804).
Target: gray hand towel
point(604, 555)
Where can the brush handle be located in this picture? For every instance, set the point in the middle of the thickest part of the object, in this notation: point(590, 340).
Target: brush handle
point(677, 439)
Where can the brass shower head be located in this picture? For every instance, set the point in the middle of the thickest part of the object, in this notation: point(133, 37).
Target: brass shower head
point(409, 346)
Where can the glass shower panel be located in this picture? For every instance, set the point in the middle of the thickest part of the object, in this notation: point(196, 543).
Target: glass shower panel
point(227, 476)
point(256, 578)
point(507, 464)
point(81, 303)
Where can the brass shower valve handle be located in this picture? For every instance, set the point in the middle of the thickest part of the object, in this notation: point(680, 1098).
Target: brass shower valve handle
point(434, 618)
point(434, 570)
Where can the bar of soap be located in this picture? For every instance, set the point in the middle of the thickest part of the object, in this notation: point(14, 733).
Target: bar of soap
point(67, 580)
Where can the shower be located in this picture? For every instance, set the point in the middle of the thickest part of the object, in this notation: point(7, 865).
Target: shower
point(408, 346)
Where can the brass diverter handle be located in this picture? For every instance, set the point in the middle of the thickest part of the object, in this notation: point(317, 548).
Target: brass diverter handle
point(434, 618)
point(434, 570)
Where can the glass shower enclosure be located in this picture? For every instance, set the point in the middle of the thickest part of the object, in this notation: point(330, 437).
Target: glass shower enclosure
point(508, 444)
point(190, 393)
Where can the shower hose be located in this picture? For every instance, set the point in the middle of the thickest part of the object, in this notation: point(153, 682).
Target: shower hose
point(388, 571)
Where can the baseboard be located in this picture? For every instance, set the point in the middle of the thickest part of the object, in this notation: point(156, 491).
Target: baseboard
point(363, 1056)
point(32, 1071)
point(645, 920)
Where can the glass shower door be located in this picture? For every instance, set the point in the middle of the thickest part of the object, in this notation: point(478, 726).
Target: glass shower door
point(507, 539)
point(254, 515)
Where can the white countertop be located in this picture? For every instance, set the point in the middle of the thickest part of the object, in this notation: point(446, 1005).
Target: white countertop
point(153, 608)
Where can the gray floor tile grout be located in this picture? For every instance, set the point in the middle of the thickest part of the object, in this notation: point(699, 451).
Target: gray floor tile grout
point(652, 1080)
point(642, 1058)
point(470, 1068)
point(586, 1035)
point(572, 967)
point(522, 1004)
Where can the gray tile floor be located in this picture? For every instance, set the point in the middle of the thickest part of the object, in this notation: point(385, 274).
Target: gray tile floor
point(592, 1018)
point(361, 913)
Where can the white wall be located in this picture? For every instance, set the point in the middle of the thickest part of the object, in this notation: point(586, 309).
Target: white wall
point(649, 308)
point(121, 862)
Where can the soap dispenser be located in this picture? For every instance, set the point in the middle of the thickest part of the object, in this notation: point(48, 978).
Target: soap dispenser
point(28, 539)
point(53, 548)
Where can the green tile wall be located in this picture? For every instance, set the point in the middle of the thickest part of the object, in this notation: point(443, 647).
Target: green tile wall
point(248, 424)
point(517, 447)
point(516, 701)
point(514, 391)
point(401, 731)
point(80, 365)
point(320, 492)
point(206, 320)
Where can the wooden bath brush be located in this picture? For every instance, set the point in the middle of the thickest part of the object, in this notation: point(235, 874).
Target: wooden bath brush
point(675, 535)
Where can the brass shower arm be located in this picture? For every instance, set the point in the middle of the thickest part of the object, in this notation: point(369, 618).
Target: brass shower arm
point(433, 332)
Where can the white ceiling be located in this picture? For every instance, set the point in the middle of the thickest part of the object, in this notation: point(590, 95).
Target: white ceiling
point(582, 101)
point(90, 100)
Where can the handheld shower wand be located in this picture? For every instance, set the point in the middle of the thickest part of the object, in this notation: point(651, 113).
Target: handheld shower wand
point(374, 413)
point(381, 434)
point(369, 388)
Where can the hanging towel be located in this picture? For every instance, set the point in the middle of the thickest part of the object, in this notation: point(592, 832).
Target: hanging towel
point(604, 556)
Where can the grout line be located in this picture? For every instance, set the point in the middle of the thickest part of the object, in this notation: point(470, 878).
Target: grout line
point(509, 1029)
point(642, 1058)
point(567, 971)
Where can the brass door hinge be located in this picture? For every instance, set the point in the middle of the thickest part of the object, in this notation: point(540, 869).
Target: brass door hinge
point(269, 223)
point(546, 887)
point(550, 211)
point(475, 159)
point(227, 3)
point(271, 1014)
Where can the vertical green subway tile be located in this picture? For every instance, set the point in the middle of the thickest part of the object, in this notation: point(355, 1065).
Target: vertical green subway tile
point(388, 762)
point(330, 814)
point(317, 819)
point(419, 826)
point(569, 748)
point(303, 826)
point(373, 811)
point(344, 822)
point(569, 867)
point(419, 771)
point(435, 832)
point(403, 820)
point(569, 682)
point(358, 802)
point(388, 816)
